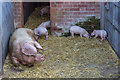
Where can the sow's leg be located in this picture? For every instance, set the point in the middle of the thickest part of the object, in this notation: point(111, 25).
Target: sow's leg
point(15, 53)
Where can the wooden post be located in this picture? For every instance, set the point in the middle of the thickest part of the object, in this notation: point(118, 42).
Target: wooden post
point(119, 29)
point(1, 66)
point(102, 16)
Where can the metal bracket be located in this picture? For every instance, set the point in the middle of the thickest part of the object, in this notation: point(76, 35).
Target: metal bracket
point(107, 6)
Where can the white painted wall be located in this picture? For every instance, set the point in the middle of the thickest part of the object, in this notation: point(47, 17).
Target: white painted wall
point(6, 29)
point(0, 37)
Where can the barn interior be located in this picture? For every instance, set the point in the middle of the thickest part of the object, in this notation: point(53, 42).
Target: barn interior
point(65, 57)
point(29, 7)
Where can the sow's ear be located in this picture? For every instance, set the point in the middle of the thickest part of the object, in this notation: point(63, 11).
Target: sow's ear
point(37, 45)
point(27, 49)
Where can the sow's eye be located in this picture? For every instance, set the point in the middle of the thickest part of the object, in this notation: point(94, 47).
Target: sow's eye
point(27, 57)
point(27, 49)
point(38, 32)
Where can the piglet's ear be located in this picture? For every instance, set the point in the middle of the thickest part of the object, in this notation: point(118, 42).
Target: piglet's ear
point(27, 49)
point(35, 31)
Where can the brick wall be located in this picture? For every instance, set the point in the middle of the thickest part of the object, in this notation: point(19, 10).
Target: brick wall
point(18, 14)
point(63, 14)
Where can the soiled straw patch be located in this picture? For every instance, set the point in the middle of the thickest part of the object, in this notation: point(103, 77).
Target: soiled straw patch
point(66, 57)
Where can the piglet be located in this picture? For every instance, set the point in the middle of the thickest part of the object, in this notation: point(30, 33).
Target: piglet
point(39, 31)
point(79, 30)
point(45, 10)
point(101, 33)
point(45, 24)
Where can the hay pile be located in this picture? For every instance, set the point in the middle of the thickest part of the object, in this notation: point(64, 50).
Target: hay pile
point(35, 19)
point(66, 57)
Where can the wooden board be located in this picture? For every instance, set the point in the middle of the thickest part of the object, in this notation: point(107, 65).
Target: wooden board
point(110, 20)
point(0, 40)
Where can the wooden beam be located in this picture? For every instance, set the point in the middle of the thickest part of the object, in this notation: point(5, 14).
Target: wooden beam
point(1, 62)
point(102, 16)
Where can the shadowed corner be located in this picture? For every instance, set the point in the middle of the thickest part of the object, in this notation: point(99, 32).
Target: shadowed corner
point(1, 67)
point(1, 73)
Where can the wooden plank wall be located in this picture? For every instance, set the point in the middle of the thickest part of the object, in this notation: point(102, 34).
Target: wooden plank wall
point(111, 24)
point(119, 27)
